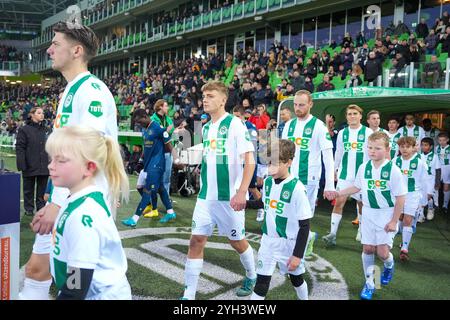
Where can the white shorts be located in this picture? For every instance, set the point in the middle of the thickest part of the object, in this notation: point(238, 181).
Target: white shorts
point(344, 184)
point(311, 192)
point(273, 251)
point(141, 179)
point(209, 213)
point(262, 171)
point(430, 184)
point(445, 174)
point(412, 203)
point(373, 234)
point(42, 244)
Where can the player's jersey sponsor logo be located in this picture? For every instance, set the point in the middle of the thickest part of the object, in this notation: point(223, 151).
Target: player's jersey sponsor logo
point(61, 120)
point(376, 184)
point(353, 146)
point(216, 145)
point(303, 143)
point(274, 204)
point(96, 109)
point(407, 172)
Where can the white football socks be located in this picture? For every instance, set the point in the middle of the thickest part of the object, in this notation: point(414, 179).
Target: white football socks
point(368, 261)
point(335, 220)
point(248, 261)
point(389, 262)
point(35, 290)
point(302, 291)
point(406, 237)
point(192, 271)
point(446, 198)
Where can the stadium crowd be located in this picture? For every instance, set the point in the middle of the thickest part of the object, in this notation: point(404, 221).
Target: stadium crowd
point(257, 78)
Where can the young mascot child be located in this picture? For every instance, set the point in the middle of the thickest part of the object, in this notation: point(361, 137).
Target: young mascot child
point(415, 175)
point(434, 177)
point(286, 222)
point(383, 194)
point(86, 243)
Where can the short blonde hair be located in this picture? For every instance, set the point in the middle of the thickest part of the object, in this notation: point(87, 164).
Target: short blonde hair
point(380, 135)
point(216, 86)
point(410, 141)
point(304, 93)
point(354, 107)
point(89, 145)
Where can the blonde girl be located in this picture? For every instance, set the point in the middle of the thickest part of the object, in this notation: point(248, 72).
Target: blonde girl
point(87, 259)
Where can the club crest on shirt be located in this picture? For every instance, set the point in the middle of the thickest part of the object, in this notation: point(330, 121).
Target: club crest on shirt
point(68, 100)
point(361, 137)
point(385, 174)
point(308, 131)
point(223, 130)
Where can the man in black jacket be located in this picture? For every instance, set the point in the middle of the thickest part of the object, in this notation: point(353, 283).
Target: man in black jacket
point(422, 29)
point(372, 69)
point(32, 160)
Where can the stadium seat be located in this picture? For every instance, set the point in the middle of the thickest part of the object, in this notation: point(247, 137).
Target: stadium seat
point(197, 22)
point(318, 79)
point(206, 19)
point(249, 8)
point(237, 11)
point(226, 13)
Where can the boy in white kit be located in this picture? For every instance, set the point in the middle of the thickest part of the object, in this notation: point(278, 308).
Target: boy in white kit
point(443, 152)
point(351, 152)
point(286, 222)
point(414, 171)
point(434, 177)
point(383, 195)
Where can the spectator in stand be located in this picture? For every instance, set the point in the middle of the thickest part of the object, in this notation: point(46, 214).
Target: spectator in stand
point(422, 29)
point(360, 39)
point(347, 41)
point(325, 85)
point(298, 81)
point(260, 118)
point(432, 69)
point(309, 84)
point(446, 18)
point(310, 70)
point(259, 95)
point(330, 73)
point(372, 69)
point(324, 61)
point(347, 59)
point(446, 41)
point(341, 72)
point(431, 42)
point(414, 54)
point(355, 77)
point(440, 28)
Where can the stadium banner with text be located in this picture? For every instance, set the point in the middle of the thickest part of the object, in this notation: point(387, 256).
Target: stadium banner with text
point(9, 235)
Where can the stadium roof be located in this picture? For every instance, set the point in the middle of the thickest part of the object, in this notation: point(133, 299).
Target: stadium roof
point(27, 15)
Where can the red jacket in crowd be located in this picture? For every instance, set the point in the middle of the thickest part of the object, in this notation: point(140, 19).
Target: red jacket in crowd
point(260, 122)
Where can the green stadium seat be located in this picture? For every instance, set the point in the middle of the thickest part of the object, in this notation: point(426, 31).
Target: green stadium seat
point(249, 7)
point(318, 80)
point(237, 11)
point(197, 22)
point(438, 49)
point(226, 13)
point(206, 18)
